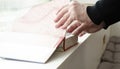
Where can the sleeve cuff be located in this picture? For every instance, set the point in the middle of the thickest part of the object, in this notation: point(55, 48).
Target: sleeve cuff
point(94, 14)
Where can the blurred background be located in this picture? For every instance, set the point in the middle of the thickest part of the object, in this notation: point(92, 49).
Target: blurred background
point(18, 4)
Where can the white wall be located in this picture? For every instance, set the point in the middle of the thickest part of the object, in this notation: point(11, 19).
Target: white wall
point(88, 1)
point(115, 29)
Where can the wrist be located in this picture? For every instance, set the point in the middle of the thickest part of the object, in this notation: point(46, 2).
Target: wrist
point(88, 19)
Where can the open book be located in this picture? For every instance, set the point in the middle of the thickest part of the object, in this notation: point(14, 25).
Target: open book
point(33, 37)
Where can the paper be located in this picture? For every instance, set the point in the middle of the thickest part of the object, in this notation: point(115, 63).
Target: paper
point(33, 37)
point(29, 47)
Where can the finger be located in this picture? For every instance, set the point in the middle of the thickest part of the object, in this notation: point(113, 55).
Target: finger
point(82, 33)
point(61, 9)
point(73, 26)
point(67, 23)
point(61, 14)
point(79, 29)
point(62, 21)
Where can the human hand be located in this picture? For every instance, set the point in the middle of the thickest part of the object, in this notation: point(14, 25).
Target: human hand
point(74, 18)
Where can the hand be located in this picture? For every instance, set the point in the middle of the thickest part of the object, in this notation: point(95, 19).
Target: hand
point(74, 18)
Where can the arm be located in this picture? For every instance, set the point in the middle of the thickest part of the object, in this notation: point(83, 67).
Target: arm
point(107, 11)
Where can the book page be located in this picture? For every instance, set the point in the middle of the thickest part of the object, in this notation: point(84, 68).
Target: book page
point(33, 37)
point(40, 20)
point(29, 47)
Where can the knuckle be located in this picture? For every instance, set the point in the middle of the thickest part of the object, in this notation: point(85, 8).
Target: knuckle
point(74, 3)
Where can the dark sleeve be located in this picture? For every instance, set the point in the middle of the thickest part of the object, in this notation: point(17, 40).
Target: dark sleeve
point(105, 10)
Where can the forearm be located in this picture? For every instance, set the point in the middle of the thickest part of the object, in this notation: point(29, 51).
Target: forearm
point(105, 11)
